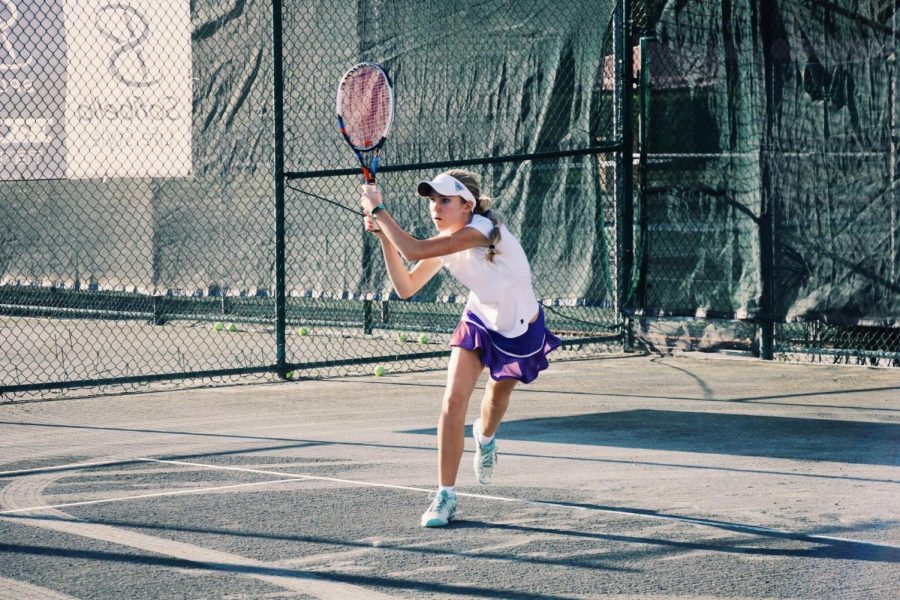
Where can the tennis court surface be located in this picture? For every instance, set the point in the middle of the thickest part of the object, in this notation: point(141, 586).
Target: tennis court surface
point(621, 477)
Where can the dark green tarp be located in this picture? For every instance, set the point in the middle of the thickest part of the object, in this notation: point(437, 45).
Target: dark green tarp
point(779, 109)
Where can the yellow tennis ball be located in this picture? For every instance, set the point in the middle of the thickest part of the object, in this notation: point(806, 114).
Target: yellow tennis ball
point(379, 371)
point(219, 326)
point(232, 327)
point(423, 339)
point(402, 338)
point(302, 331)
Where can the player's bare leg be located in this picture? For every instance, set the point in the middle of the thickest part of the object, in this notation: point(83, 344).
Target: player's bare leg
point(462, 375)
point(493, 407)
point(494, 404)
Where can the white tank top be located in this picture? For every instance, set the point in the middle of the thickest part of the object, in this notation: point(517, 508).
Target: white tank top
point(500, 292)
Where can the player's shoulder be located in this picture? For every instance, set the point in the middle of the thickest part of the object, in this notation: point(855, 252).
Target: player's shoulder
point(482, 224)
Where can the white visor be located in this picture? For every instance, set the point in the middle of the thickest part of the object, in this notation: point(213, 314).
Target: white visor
point(445, 185)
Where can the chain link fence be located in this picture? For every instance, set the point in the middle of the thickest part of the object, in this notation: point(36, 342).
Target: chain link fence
point(522, 102)
point(767, 172)
point(173, 186)
point(135, 186)
point(171, 182)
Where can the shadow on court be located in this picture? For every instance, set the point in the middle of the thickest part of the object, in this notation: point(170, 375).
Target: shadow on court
point(569, 562)
point(834, 549)
point(389, 583)
point(644, 546)
point(766, 399)
point(715, 433)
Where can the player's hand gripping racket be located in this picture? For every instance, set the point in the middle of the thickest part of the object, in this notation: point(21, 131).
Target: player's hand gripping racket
point(365, 110)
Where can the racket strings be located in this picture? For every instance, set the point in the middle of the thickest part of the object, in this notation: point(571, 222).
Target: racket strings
point(365, 105)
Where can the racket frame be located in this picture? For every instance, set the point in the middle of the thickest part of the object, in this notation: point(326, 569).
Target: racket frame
point(368, 170)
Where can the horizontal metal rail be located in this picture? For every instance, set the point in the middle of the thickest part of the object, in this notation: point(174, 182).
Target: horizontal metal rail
point(487, 160)
point(152, 377)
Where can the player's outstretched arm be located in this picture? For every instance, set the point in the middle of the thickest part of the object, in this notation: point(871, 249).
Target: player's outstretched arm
point(406, 282)
point(413, 248)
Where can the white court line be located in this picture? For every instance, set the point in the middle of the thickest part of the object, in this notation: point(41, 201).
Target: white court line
point(542, 503)
point(139, 496)
point(103, 463)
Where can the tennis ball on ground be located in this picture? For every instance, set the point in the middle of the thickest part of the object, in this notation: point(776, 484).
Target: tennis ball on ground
point(302, 331)
point(219, 326)
point(232, 327)
point(402, 338)
point(423, 339)
point(379, 371)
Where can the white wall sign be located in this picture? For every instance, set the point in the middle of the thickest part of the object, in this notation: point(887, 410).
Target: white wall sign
point(95, 88)
point(128, 100)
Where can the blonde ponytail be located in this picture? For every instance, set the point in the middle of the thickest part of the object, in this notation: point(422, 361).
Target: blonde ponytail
point(482, 207)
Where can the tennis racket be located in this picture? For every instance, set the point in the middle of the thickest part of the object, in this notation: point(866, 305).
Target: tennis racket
point(365, 111)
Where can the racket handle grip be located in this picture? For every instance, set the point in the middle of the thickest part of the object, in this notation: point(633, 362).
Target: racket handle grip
point(374, 195)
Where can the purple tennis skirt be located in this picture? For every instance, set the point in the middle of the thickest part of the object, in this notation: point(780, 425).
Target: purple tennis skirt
point(521, 357)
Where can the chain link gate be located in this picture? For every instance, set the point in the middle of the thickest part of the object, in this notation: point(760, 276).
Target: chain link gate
point(539, 137)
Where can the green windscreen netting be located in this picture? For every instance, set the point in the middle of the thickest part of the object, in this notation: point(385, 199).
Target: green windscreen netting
point(769, 173)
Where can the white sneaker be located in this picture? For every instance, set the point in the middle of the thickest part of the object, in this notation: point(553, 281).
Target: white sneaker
point(485, 456)
point(441, 511)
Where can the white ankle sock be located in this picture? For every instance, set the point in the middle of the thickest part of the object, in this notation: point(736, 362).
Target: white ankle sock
point(450, 489)
point(484, 440)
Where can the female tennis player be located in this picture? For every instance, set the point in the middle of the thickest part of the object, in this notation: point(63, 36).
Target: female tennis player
point(502, 327)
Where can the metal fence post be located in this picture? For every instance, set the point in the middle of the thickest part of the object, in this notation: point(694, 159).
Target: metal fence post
point(158, 311)
point(644, 89)
point(767, 269)
point(278, 109)
point(766, 320)
point(624, 89)
point(895, 139)
point(367, 317)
